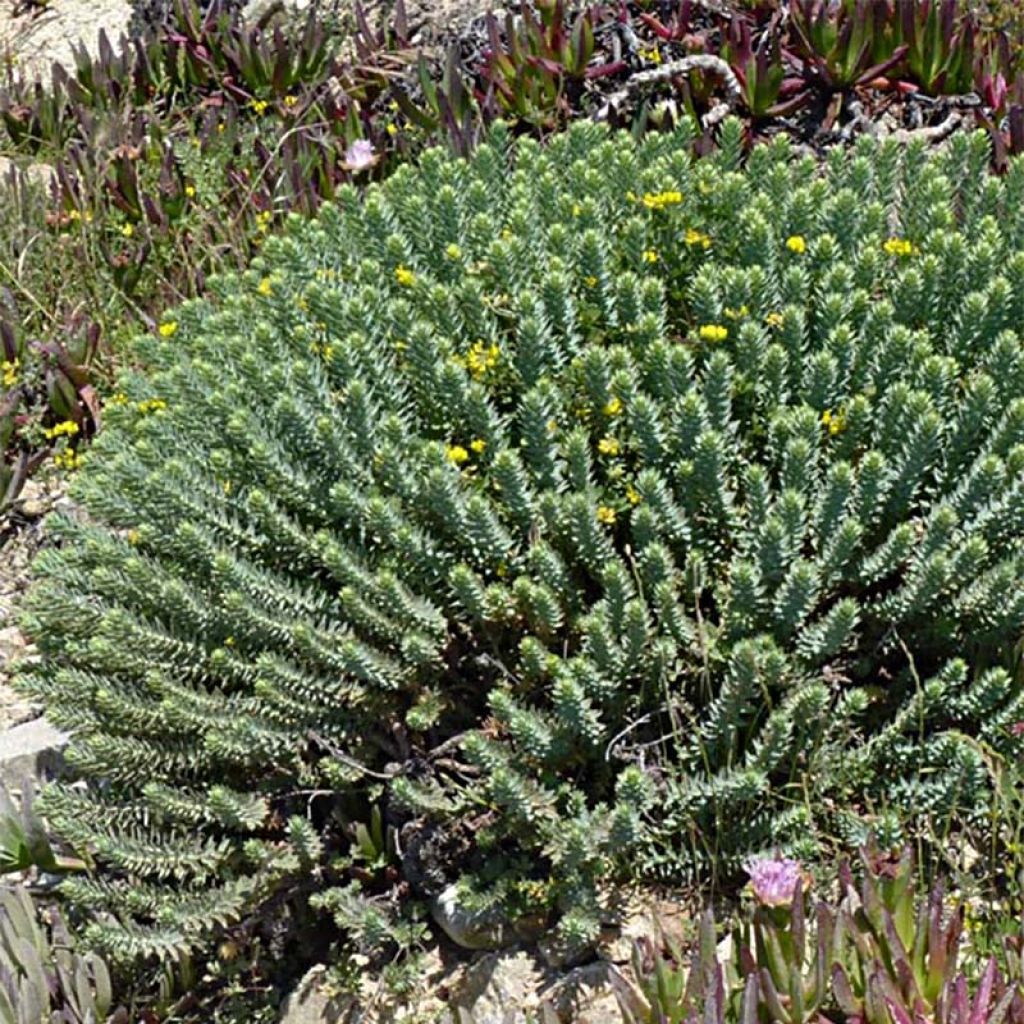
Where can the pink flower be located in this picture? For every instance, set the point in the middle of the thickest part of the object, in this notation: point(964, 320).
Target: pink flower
point(359, 156)
point(774, 879)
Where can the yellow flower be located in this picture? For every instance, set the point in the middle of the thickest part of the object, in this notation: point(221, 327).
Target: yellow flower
point(259, 106)
point(67, 459)
point(10, 372)
point(606, 515)
point(633, 495)
point(737, 314)
point(152, 405)
point(220, 127)
point(127, 231)
point(552, 426)
point(835, 422)
point(713, 332)
point(290, 101)
point(392, 129)
point(774, 319)
point(609, 446)
point(453, 252)
point(653, 55)
point(68, 428)
point(405, 277)
point(576, 209)
point(797, 244)
point(478, 445)
point(649, 256)
point(457, 454)
point(265, 288)
point(899, 247)
point(659, 200)
point(613, 406)
point(133, 537)
point(167, 330)
point(119, 399)
point(482, 358)
point(590, 281)
point(695, 237)
point(190, 190)
point(229, 641)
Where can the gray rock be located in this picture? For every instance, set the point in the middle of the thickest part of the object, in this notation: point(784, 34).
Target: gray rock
point(33, 749)
point(487, 929)
point(310, 1003)
point(500, 988)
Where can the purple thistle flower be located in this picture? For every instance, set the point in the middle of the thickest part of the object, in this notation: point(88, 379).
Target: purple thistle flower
point(360, 155)
point(774, 879)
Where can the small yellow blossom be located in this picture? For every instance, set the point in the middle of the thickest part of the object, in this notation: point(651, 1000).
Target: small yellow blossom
point(265, 287)
point(609, 446)
point(482, 358)
point(127, 231)
point(67, 459)
point(774, 319)
point(133, 537)
point(590, 281)
point(392, 129)
point(167, 329)
point(457, 454)
point(453, 252)
point(659, 200)
point(190, 190)
point(478, 444)
point(649, 256)
point(227, 486)
point(152, 405)
point(74, 215)
point(613, 406)
point(229, 641)
point(502, 570)
point(259, 106)
point(737, 314)
point(694, 237)
point(68, 428)
point(220, 127)
point(552, 426)
point(632, 495)
point(290, 101)
point(405, 277)
point(606, 515)
point(327, 352)
point(653, 55)
point(713, 332)
point(576, 209)
point(118, 399)
point(899, 247)
point(835, 422)
point(10, 372)
point(797, 244)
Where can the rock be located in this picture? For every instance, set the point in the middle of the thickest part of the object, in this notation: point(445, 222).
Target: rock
point(586, 995)
point(488, 929)
point(500, 988)
point(311, 1003)
point(33, 749)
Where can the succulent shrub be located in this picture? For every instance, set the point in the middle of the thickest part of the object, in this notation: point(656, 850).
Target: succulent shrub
point(579, 500)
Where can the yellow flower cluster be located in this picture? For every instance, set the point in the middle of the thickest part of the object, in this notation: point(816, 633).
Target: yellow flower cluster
point(899, 247)
point(67, 459)
point(659, 200)
point(259, 106)
point(835, 422)
point(632, 495)
point(265, 287)
point(152, 405)
point(737, 314)
point(127, 231)
point(457, 454)
point(693, 237)
point(649, 256)
point(263, 219)
point(478, 445)
point(797, 244)
point(774, 319)
point(167, 329)
point(713, 332)
point(405, 277)
point(66, 429)
point(613, 406)
point(453, 252)
point(481, 358)
point(606, 515)
point(609, 446)
point(9, 372)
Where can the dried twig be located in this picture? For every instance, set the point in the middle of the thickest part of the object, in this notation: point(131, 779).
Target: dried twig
point(697, 62)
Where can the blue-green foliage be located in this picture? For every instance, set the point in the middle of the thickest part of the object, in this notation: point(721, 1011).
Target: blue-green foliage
point(675, 509)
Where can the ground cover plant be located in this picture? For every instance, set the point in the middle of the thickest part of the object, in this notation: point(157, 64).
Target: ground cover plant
point(177, 151)
point(583, 553)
